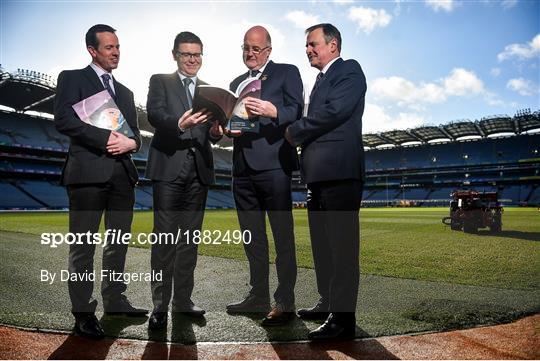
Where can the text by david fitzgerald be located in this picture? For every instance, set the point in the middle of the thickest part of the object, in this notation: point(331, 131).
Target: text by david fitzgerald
point(104, 275)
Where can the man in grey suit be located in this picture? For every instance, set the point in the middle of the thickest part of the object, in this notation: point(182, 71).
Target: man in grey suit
point(181, 168)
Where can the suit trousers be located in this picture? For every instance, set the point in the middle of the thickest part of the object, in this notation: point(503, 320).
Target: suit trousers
point(257, 193)
point(87, 202)
point(334, 226)
point(178, 207)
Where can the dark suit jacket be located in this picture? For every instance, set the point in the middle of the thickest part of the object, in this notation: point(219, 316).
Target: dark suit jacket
point(88, 160)
point(282, 86)
point(331, 133)
point(167, 101)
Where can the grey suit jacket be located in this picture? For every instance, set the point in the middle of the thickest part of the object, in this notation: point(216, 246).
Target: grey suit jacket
point(167, 101)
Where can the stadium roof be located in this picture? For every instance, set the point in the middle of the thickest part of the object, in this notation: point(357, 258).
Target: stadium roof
point(497, 124)
point(27, 90)
point(523, 121)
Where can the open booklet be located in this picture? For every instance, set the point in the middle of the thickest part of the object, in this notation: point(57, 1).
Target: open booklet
point(101, 111)
point(227, 107)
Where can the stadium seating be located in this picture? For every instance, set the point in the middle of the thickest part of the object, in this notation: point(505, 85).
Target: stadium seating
point(32, 151)
point(28, 131)
point(143, 197)
point(14, 198)
point(49, 193)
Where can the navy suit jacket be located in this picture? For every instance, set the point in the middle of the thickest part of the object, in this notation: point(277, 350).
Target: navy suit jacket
point(268, 149)
point(331, 133)
point(167, 101)
point(88, 160)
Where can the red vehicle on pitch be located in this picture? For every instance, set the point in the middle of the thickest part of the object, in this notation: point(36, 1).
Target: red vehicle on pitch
point(470, 210)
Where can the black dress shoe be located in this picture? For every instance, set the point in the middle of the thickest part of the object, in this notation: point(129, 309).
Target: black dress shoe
point(279, 316)
point(251, 304)
point(189, 308)
point(87, 325)
point(334, 329)
point(157, 321)
point(124, 308)
point(317, 312)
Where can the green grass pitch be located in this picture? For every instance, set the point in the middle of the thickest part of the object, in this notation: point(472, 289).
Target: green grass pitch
point(395, 242)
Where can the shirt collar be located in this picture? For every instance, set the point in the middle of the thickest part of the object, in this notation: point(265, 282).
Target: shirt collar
point(182, 77)
point(261, 70)
point(99, 70)
point(327, 66)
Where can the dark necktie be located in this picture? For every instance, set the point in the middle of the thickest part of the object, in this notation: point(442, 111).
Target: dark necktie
point(254, 73)
point(106, 78)
point(187, 83)
point(317, 82)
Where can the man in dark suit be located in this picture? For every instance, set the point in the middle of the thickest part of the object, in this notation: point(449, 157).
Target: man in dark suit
point(262, 167)
point(100, 176)
point(332, 161)
point(181, 167)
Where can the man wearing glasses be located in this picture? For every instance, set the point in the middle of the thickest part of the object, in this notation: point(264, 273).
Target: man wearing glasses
point(181, 167)
point(262, 166)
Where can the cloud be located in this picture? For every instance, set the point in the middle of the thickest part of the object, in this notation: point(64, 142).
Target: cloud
point(343, 2)
point(376, 119)
point(508, 4)
point(368, 19)
point(301, 19)
point(463, 82)
point(444, 5)
point(460, 82)
point(494, 100)
point(495, 71)
point(522, 86)
point(406, 92)
point(521, 51)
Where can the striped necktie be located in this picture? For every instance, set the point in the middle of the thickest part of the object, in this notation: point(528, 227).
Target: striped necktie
point(106, 78)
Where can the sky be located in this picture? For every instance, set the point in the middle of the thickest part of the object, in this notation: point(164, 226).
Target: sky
point(426, 62)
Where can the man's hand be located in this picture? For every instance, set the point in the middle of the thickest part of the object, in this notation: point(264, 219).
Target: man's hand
point(216, 131)
point(119, 144)
point(288, 137)
point(233, 133)
point(260, 107)
point(189, 120)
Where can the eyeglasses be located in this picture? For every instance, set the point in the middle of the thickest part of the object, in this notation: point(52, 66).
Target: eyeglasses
point(254, 49)
point(196, 56)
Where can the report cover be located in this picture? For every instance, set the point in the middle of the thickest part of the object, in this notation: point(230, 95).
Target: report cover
point(227, 107)
point(101, 111)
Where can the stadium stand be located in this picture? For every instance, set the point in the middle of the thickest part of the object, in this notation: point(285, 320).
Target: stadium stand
point(14, 198)
point(419, 166)
point(49, 194)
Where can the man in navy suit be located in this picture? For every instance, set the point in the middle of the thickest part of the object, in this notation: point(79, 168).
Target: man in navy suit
point(332, 161)
point(262, 166)
point(100, 177)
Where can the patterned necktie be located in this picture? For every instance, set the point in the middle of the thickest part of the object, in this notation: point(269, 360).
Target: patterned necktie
point(187, 83)
point(317, 82)
point(106, 78)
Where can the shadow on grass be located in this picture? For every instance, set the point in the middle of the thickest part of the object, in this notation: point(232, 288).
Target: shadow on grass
point(448, 315)
point(526, 236)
